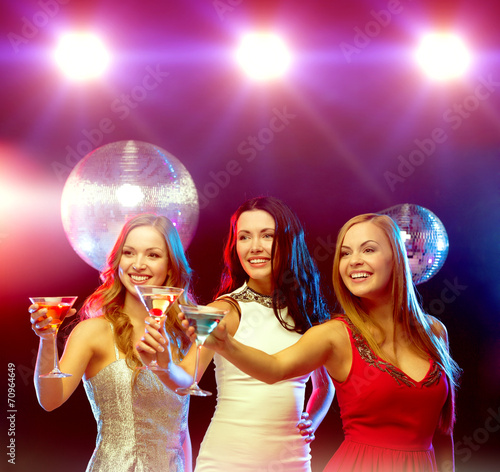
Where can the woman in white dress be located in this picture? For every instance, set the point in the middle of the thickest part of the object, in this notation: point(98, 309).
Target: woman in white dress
point(270, 285)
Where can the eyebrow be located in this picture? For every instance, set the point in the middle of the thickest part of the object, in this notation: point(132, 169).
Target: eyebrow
point(148, 249)
point(363, 244)
point(264, 230)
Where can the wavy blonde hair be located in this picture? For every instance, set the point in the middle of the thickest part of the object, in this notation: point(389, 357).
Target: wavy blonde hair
point(109, 297)
point(418, 328)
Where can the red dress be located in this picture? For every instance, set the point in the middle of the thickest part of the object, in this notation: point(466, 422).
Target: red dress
point(388, 418)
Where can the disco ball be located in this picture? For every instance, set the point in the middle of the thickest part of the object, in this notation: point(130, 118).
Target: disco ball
point(425, 239)
point(118, 181)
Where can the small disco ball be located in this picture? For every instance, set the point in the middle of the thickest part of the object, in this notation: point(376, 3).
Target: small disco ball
point(118, 181)
point(425, 239)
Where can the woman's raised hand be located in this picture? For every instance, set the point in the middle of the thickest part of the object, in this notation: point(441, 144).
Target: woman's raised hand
point(218, 339)
point(154, 343)
point(41, 323)
point(189, 330)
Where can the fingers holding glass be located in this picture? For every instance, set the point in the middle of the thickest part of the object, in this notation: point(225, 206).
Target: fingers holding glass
point(203, 320)
point(153, 340)
point(40, 321)
point(47, 315)
point(157, 300)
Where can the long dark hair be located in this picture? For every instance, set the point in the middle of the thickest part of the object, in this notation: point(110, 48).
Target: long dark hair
point(296, 279)
point(108, 299)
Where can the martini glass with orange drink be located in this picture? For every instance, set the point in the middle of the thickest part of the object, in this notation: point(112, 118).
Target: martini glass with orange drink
point(57, 309)
point(158, 300)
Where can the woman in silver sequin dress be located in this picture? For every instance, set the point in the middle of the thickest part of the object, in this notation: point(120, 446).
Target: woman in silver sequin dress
point(142, 424)
point(270, 286)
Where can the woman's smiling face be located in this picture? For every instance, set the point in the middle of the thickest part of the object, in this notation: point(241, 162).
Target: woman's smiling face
point(144, 259)
point(366, 263)
point(255, 235)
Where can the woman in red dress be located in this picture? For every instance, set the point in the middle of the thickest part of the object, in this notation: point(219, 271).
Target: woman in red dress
point(389, 361)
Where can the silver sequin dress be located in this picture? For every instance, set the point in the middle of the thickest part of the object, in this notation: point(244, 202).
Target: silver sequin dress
point(139, 428)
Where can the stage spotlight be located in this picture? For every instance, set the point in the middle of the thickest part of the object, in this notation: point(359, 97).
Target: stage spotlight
point(443, 56)
point(81, 56)
point(263, 56)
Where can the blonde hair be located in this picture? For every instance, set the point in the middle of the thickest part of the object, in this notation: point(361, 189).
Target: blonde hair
point(108, 299)
point(416, 325)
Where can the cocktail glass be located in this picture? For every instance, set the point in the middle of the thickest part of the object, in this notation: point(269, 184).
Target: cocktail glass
point(204, 319)
point(158, 300)
point(57, 308)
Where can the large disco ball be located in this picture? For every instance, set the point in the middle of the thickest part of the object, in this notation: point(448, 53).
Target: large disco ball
point(118, 181)
point(425, 239)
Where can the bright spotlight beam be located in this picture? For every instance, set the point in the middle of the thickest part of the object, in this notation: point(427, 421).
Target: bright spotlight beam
point(81, 56)
point(263, 56)
point(443, 56)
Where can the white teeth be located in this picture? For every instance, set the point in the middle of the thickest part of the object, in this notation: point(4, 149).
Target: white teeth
point(257, 261)
point(139, 278)
point(360, 275)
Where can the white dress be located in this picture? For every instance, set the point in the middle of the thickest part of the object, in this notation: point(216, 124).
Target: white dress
point(254, 427)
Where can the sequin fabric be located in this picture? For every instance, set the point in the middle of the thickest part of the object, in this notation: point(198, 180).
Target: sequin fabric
point(249, 295)
point(139, 428)
point(399, 376)
point(389, 420)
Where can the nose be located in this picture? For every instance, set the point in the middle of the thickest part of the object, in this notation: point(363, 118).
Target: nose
point(256, 245)
point(355, 259)
point(138, 264)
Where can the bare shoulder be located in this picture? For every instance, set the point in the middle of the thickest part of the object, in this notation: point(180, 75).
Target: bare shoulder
point(333, 336)
point(336, 326)
point(90, 341)
point(339, 333)
point(92, 330)
point(223, 304)
point(437, 327)
point(334, 330)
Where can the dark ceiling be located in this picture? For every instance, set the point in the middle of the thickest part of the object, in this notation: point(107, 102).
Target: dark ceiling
point(356, 107)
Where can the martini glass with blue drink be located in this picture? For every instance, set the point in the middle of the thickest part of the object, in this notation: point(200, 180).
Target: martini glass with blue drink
point(203, 319)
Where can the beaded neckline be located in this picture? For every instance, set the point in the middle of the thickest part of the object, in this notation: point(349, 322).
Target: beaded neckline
point(397, 374)
point(249, 295)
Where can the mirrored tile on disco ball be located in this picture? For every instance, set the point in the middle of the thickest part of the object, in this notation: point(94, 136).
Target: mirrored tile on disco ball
point(425, 239)
point(118, 181)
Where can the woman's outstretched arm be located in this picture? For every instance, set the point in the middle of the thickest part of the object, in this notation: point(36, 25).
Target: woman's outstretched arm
point(52, 393)
point(156, 343)
point(313, 350)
